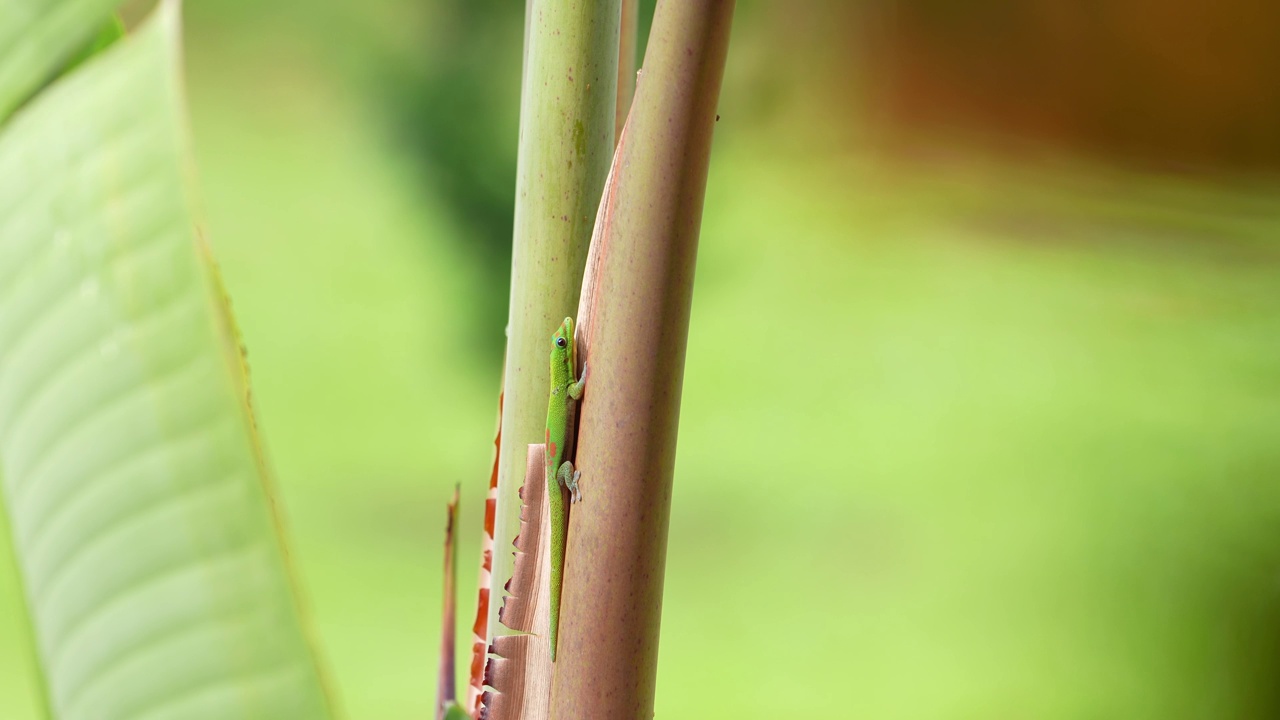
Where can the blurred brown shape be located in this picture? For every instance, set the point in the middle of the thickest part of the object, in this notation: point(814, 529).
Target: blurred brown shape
point(1175, 85)
point(445, 693)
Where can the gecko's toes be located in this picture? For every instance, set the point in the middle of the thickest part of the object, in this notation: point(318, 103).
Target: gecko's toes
point(571, 484)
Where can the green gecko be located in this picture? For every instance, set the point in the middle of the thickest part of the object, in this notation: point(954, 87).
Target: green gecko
point(559, 425)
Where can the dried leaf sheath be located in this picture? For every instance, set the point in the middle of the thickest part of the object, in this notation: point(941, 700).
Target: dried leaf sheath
point(480, 629)
point(519, 670)
point(529, 585)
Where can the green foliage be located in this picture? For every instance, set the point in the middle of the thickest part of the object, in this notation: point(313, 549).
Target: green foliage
point(132, 481)
point(37, 37)
point(111, 31)
point(1027, 456)
point(453, 103)
point(455, 712)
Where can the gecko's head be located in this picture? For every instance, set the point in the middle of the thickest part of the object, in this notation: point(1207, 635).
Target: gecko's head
point(563, 336)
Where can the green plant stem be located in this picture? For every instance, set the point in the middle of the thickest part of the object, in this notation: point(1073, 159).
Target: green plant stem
point(627, 61)
point(566, 140)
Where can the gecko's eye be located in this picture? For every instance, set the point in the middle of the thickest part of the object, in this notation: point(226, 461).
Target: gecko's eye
point(561, 342)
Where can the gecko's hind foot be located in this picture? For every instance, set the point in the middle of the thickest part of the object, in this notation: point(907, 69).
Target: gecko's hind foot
point(571, 484)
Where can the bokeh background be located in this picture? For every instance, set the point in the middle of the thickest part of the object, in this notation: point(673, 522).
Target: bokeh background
point(983, 385)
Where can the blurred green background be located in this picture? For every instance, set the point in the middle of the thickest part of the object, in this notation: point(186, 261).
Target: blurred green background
point(974, 425)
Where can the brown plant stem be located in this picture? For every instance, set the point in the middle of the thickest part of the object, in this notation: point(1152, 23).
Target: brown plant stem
point(445, 693)
point(633, 326)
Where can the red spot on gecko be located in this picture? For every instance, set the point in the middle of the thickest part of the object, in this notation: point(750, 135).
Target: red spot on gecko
point(551, 448)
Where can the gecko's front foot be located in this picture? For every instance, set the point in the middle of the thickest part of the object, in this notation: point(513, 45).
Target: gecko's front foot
point(575, 389)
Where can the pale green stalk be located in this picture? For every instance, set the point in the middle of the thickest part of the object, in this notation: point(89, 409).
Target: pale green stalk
point(627, 61)
point(566, 139)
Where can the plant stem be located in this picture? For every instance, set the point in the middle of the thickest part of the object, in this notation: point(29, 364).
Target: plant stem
point(566, 139)
point(633, 326)
point(627, 61)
